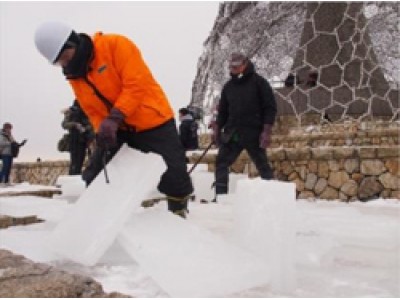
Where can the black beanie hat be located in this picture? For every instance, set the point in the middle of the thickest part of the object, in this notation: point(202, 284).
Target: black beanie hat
point(184, 111)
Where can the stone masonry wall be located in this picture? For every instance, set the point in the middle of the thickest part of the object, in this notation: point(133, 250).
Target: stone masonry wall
point(346, 173)
point(337, 161)
point(44, 173)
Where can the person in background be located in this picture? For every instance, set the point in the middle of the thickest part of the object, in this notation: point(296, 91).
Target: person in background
point(9, 149)
point(246, 114)
point(188, 130)
point(123, 101)
point(213, 122)
point(80, 136)
point(292, 80)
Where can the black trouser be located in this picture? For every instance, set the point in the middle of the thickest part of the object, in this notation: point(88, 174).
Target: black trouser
point(7, 162)
point(77, 157)
point(227, 155)
point(162, 140)
point(77, 147)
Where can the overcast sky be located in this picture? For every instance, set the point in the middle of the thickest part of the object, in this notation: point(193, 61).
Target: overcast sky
point(170, 36)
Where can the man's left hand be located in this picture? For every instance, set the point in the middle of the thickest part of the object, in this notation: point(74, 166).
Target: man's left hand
point(265, 136)
point(23, 142)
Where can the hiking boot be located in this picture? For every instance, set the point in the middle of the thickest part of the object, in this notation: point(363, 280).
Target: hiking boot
point(181, 213)
point(178, 205)
point(151, 202)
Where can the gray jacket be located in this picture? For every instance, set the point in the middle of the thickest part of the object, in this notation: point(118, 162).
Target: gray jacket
point(5, 144)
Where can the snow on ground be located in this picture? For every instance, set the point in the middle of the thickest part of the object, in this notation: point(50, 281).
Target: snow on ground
point(340, 249)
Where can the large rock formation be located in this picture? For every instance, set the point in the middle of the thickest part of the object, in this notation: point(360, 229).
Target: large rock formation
point(329, 38)
point(22, 278)
point(269, 33)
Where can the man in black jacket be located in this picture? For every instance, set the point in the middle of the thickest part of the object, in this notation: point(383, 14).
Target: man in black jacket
point(246, 114)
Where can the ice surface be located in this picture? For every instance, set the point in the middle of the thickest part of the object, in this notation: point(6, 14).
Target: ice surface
point(50, 210)
point(265, 222)
point(30, 243)
point(187, 260)
point(342, 249)
point(98, 216)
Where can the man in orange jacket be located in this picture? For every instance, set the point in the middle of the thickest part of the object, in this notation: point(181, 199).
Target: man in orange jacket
point(122, 100)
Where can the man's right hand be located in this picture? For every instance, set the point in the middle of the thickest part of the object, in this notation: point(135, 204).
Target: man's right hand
point(107, 134)
point(215, 135)
point(265, 136)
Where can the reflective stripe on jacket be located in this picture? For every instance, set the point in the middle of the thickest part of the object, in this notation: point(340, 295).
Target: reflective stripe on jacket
point(120, 74)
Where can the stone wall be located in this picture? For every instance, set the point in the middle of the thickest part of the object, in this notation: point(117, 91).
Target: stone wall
point(45, 173)
point(336, 161)
point(346, 173)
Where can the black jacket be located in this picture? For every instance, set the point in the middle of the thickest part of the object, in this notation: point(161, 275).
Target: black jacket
point(188, 134)
point(247, 103)
point(78, 139)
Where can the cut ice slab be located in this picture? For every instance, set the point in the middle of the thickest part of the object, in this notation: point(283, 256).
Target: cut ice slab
point(72, 186)
point(189, 261)
point(94, 222)
point(265, 219)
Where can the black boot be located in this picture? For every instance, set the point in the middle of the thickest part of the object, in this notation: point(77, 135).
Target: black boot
point(178, 205)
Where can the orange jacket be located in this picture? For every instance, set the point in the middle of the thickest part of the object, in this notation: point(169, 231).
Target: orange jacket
point(121, 75)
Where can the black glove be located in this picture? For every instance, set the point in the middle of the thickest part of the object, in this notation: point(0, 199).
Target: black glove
point(265, 136)
point(107, 134)
point(215, 135)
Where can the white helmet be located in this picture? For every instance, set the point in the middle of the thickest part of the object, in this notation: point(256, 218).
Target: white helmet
point(50, 37)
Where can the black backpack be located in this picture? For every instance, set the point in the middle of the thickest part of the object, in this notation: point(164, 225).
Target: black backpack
point(193, 129)
point(14, 149)
point(63, 143)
